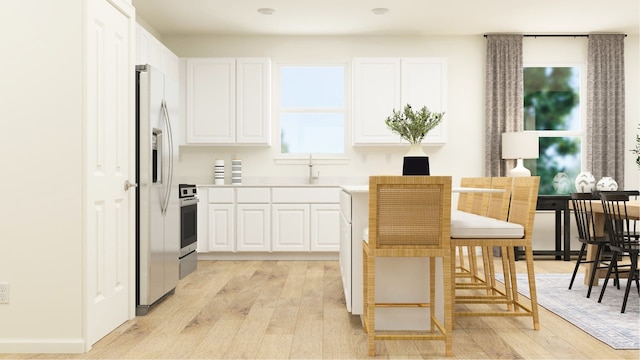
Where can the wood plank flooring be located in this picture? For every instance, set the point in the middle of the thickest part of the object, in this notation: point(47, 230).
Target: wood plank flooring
point(296, 310)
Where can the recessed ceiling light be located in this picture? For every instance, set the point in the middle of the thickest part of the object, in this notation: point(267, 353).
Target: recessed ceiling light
point(380, 11)
point(266, 11)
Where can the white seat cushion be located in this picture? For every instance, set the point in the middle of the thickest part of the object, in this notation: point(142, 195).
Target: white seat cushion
point(466, 225)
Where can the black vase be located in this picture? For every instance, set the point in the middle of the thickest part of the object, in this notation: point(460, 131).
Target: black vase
point(415, 165)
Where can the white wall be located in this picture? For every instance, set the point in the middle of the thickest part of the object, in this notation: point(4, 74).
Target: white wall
point(461, 156)
point(41, 211)
point(465, 66)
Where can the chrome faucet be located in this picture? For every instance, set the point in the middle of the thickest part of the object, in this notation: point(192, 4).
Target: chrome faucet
point(312, 177)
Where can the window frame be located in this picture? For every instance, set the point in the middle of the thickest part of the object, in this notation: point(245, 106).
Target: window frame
point(296, 158)
point(581, 133)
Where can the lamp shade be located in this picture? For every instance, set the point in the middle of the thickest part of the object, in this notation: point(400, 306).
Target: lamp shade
point(520, 145)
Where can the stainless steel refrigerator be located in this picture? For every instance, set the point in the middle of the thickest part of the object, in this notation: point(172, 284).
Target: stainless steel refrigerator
point(157, 209)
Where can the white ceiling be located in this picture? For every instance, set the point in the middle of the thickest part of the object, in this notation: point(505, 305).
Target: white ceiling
point(405, 17)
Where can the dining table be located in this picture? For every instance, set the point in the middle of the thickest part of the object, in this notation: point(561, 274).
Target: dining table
point(633, 211)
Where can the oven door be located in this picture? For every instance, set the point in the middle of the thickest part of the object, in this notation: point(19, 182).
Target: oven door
point(188, 225)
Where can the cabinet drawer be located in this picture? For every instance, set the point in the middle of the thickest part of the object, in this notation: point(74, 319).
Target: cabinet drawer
point(220, 195)
point(257, 195)
point(328, 195)
point(345, 205)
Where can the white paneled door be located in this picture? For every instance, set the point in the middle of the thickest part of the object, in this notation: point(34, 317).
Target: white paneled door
point(109, 163)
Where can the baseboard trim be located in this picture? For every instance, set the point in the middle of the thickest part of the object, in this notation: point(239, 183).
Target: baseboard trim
point(42, 346)
point(333, 255)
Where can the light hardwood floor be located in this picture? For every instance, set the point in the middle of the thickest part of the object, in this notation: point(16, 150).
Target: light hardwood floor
point(296, 310)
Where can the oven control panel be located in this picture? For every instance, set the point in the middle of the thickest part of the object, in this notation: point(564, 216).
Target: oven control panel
point(187, 191)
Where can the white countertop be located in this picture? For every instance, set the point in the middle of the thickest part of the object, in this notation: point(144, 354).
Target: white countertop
point(267, 185)
point(352, 189)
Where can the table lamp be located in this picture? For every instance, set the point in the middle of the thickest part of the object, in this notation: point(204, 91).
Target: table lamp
point(520, 145)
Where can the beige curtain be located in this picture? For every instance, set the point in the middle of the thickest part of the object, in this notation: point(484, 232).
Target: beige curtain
point(605, 107)
point(504, 98)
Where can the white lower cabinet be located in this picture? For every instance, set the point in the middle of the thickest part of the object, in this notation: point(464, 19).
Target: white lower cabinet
point(291, 227)
point(271, 219)
point(220, 220)
point(325, 227)
point(253, 223)
point(253, 219)
point(221, 227)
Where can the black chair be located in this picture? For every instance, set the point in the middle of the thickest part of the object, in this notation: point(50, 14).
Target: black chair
point(586, 235)
point(623, 237)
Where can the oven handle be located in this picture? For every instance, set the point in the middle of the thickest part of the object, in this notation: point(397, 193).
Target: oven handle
point(188, 201)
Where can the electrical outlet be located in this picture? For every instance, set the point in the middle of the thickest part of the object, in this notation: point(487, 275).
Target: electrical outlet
point(4, 292)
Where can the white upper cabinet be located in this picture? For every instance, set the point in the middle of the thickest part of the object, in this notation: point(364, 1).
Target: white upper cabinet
point(150, 50)
point(228, 101)
point(376, 91)
point(253, 101)
point(381, 85)
point(210, 95)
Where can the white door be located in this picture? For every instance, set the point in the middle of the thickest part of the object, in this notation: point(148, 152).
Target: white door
point(109, 162)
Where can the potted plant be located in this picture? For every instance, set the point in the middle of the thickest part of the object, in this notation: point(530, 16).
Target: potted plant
point(637, 150)
point(413, 125)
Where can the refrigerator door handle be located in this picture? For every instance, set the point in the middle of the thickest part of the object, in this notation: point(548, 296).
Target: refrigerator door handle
point(157, 157)
point(170, 172)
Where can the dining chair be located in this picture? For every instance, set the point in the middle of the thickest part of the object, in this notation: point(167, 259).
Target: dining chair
point(583, 211)
point(623, 237)
point(475, 203)
point(522, 213)
point(497, 207)
point(409, 216)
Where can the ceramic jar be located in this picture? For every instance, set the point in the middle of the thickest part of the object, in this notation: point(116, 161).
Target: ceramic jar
point(562, 183)
point(607, 184)
point(585, 182)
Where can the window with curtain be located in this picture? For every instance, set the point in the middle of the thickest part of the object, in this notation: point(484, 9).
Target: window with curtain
point(553, 108)
point(312, 109)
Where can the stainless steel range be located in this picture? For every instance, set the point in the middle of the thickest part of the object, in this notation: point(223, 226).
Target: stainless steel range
point(188, 195)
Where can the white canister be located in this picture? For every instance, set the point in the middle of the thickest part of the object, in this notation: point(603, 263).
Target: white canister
point(236, 172)
point(218, 172)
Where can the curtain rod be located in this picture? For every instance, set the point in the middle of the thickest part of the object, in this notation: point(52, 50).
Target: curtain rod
point(552, 35)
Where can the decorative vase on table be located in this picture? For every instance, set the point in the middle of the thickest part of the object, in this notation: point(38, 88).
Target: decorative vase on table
point(585, 182)
point(413, 126)
point(415, 162)
point(562, 183)
point(607, 184)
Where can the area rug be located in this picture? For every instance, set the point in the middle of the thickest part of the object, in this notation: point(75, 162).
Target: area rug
point(600, 320)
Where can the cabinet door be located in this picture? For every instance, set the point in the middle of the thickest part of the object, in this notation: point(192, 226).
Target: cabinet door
point(325, 227)
point(253, 101)
point(221, 226)
point(211, 100)
point(151, 51)
point(203, 220)
point(376, 92)
point(424, 84)
point(253, 223)
point(290, 227)
point(345, 258)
